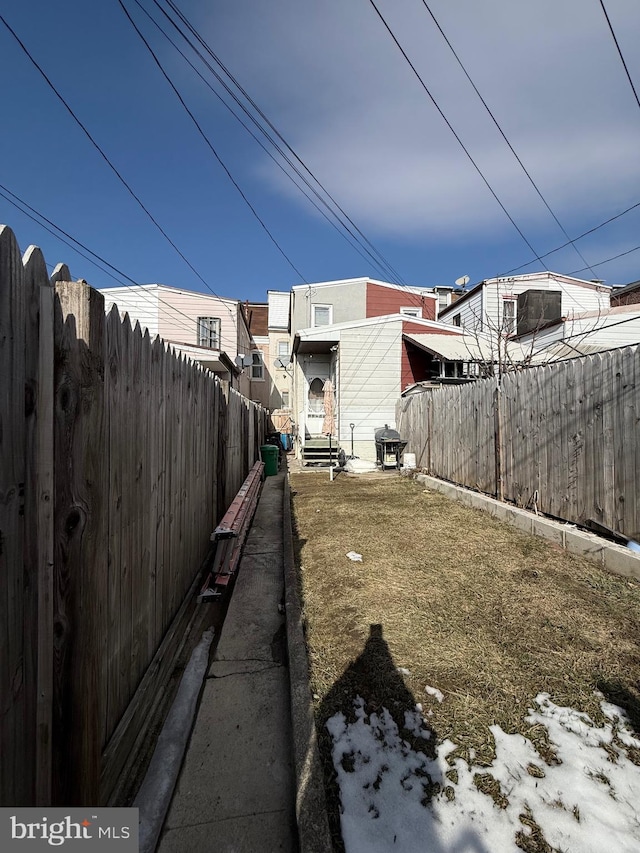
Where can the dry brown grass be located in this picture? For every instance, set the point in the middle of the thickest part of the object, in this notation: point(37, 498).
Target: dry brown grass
point(469, 605)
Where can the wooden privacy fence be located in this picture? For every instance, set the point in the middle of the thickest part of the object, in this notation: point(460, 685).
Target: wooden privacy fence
point(564, 438)
point(117, 459)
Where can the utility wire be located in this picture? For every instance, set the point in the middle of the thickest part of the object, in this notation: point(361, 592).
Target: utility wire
point(84, 251)
point(579, 237)
point(624, 64)
point(255, 106)
point(208, 142)
point(322, 201)
point(504, 136)
point(105, 158)
point(450, 126)
point(608, 260)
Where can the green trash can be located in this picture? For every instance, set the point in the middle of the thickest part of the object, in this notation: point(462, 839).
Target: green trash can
point(269, 454)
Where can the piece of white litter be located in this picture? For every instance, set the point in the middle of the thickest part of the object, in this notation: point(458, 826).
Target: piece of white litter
point(433, 691)
point(357, 558)
point(403, 671)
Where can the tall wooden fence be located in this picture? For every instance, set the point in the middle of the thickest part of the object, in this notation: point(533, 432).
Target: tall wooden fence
point(564, 437)
point(117, 459)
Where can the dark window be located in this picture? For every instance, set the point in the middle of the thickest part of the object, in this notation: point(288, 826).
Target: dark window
point(536, 308)
point(257, 366)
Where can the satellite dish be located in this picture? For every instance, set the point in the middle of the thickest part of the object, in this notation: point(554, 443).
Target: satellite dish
point(463, 281)
point(279, 363)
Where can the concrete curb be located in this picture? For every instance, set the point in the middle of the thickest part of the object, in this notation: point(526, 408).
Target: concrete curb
point(311, 808)
point(154, 797)
point(614, 558)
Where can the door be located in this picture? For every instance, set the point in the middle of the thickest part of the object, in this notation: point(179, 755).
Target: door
point(317, 369)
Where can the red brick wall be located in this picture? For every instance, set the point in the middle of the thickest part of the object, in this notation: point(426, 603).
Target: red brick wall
point(388, 300)
point(412, 366)
point(632, 298)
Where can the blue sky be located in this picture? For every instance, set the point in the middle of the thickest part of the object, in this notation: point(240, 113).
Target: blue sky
point(327, 74)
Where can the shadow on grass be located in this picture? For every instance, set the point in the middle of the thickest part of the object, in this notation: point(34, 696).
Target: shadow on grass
point(619, 694)
point(374, 677)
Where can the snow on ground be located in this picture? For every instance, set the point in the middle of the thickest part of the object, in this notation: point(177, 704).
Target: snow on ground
point(588, 803)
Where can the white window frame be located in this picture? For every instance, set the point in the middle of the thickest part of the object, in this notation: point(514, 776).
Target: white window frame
point(257, 366)
point(509, 323)
point(284, 351)
point(285, 403)
point(412, 311)
point(316, 305)
point(208, 331)
point(456, 320)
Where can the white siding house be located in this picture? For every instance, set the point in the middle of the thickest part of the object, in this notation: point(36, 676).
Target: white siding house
point(207, 328)
point(368, 362)
point(369, 382)
point(492, 305)
point(585, 333)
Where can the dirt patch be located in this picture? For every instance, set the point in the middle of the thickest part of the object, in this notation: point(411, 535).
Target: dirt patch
point(459, 602)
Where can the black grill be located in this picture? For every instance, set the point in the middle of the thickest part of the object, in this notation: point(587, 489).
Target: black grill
point(389, 447)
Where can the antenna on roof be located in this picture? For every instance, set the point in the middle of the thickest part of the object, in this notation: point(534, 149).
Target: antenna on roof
point(463, 281)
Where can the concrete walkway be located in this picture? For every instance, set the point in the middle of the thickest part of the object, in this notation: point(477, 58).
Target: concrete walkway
point(236, 791)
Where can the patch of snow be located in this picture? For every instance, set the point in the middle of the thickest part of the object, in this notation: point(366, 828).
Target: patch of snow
point(355, 557)
point(433, 691)
point(403, 671)
point(396, 798)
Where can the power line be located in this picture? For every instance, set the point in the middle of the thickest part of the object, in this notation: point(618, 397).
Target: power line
point(258, 110)
point(624, 64)
point(105, 158)
point(587, 332)
point(208, 143)
point(579, 237)
point(502, 133)
point(450, 126)
point(346, 229)
point(69, 240)
point(608, 260)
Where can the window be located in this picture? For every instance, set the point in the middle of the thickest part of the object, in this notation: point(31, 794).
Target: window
point(257, 366)
point(456, 320)
point(509, 316)
point(285, 399)
point(209, 332)
point(321, 315)
point(411, 312)
point(316, 397)
point(283, 350)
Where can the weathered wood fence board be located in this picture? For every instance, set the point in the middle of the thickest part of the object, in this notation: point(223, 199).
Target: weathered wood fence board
point(569, 437)
point(117, 459)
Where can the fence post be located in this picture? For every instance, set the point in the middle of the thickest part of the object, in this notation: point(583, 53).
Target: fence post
point(15, 774)
point(429, 432)
point(39, 508)
point(497, 419)
point(81, 567)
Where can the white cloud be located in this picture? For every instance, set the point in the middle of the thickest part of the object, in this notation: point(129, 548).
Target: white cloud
point(331, 78)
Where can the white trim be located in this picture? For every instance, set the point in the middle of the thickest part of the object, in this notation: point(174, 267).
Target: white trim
point(132, 288)
point(318, 331)
point(411, 311)
point(421, 291)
